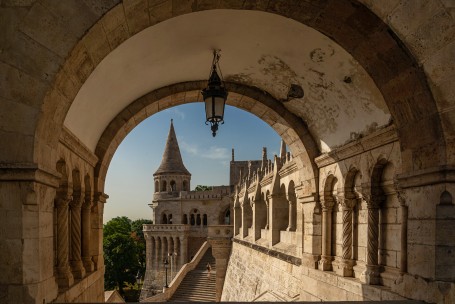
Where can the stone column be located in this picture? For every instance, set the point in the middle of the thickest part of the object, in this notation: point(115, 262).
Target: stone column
point(64, 275)
point(277, 218)
point(292, 214)
point(157, 254)
point(267, 211)
point(183, 249)
point(325, 264)
point(97, 229)
point(221, 249)
point(246, 217)
point(404, 233)
point(163, 249)
point(86, 257)
point(371, 274)
point(149, 276)
point(177, 251)
point(76, 261)
point(344, 267)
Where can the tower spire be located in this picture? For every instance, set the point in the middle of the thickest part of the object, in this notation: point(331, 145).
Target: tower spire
point(172, 159)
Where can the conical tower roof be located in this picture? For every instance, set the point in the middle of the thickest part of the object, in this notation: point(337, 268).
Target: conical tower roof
point(172, 162)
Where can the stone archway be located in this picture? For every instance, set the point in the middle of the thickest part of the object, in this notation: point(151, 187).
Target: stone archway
point(401, 81)
point(44, 64)
point(257, 102)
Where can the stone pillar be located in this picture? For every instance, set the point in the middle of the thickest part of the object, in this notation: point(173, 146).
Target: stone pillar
point(157, 253)
point(237, 217)
point(344, 266)
point(163, 249)
point(76, 260)
point(183, 250)
point(292, 214)
point(404, 232)
point(86, 257)
point(246, 217)
point(149, 276)
point(221, 249)
point(176, 253)
point(325, 264)
point(371, 274)
point(97, 229)
point(258, 217)
point(267, 212)
point(64, 275)
point(277, 218)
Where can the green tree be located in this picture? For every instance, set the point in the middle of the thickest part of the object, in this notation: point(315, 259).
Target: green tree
point(120, 224)
point(121, 261)
point(203, 188)
point(124, 251)
point(138, 235)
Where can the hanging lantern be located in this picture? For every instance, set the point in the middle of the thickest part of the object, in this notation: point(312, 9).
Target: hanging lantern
point(214, 95)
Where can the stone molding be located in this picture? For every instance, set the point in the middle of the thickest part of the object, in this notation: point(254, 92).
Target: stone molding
point(426, 177)
point(166, 228)
point(288, 168)
point(70, 141)
point(29, 172)
point(271, 252)
point(379, 138)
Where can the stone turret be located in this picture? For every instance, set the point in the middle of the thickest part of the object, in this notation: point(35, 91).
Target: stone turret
point(172, 176)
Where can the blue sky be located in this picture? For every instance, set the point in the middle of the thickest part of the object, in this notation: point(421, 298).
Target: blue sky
point(129, 181)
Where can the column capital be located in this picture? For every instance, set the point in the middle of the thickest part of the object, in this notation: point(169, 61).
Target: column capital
point(348, 203)
point(328, 202)
point(100, 197)
point(63, 201)
point(87, 203)
point(77, 201)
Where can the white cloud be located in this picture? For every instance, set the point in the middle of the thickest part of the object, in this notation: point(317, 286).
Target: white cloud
point(211, 153)
point(216, 153)
point(189, 148)
point(177, 113)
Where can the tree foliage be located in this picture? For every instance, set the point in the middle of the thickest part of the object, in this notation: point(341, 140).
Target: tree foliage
point(203, 188)
point(124, 251)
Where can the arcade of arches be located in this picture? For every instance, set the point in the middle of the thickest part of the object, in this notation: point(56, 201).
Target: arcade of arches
point(366, 211)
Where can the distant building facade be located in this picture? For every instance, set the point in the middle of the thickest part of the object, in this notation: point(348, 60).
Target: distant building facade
point(180, 217)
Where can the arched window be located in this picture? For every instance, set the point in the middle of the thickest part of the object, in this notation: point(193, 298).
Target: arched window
point(163, 186)
point(204, 220)
point(185, 219)
point(227, 217)
point(164, 219)
point(169, 219)
point(157, 186)
point(173, 186)
point(198, 219)
point(192, 222)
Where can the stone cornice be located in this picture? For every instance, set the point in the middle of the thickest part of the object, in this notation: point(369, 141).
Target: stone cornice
point(271, 252)
point(29, 172)
point(379, 138)
point(267, 180)
point(430, 176)
point(288, 168)
point(70, 141)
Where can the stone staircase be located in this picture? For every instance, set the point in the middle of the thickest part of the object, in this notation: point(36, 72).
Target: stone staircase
point(197, 286)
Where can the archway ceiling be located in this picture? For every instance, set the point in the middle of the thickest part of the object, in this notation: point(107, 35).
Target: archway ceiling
point(258, 49)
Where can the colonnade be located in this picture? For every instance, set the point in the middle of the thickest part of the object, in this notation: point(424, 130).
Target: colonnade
point(76, 214)
point(161, 247)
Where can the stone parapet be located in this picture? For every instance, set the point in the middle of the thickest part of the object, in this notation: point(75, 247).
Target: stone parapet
point(166, 228)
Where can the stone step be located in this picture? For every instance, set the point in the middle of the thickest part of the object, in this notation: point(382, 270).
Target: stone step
point(196, 286)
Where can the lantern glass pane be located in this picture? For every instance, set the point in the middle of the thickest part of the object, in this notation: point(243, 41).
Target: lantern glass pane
point(219, 107)
point(208, 108)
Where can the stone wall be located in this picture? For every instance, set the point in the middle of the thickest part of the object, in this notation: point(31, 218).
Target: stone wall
point(251, 273)
point(255, 275)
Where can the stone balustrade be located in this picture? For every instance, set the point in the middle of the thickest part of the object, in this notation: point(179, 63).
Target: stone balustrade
point(224, 231)
point(166, 228)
